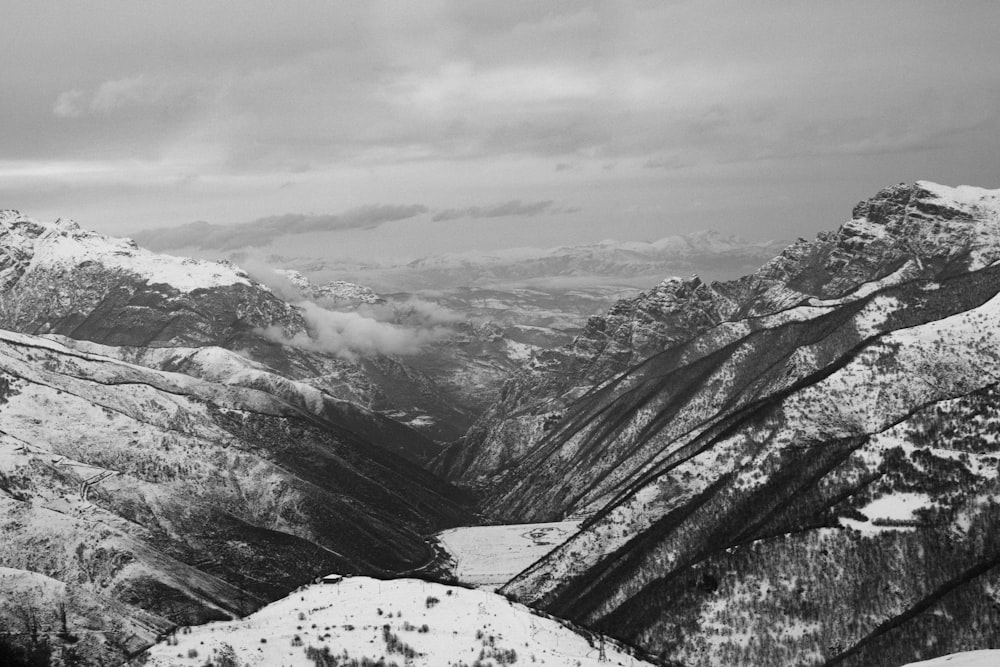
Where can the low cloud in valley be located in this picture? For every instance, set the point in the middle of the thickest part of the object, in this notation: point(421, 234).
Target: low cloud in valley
point(394, 327)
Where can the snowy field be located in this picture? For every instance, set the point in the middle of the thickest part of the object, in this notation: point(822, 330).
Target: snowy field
point(989, 658)
point(403, 621)
point(489, 556)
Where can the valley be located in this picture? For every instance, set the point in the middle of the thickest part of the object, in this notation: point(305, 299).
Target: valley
point(799, 466)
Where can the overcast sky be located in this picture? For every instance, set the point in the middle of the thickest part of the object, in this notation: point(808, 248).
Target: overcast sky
point(416, 126)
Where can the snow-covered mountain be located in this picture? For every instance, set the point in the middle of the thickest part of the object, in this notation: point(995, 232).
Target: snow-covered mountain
point(364, 621)
point(902, 234)
point(180, 497)
point(804, 473)
point(60, 279)
point(798, 467)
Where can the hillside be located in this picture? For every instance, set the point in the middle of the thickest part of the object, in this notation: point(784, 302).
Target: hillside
point(176, 499)
point(750, 487)
point(902, 235)
point(363, 621)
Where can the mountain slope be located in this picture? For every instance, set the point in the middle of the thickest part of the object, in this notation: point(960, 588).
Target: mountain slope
point(904, 233)
point(401, 621)
point(751, 487)
point(184, 499)
point(60, 279)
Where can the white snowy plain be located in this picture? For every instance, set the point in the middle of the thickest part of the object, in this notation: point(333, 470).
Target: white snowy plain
point(461, 625)
point(488, 556)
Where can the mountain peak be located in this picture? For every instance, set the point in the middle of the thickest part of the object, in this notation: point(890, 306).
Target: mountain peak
point(928, 199)
point(63, 244)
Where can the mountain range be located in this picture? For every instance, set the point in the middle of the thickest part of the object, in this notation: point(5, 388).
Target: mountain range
point(804, 473)
point(799, 466)
point(609, 262)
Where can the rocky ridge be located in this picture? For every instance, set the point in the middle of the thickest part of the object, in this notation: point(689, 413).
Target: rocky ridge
point(750, 487)
point(902, 233)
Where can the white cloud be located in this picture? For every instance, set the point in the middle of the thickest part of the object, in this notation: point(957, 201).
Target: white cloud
point(70, 104)
point(350, 335)
point(140, 92)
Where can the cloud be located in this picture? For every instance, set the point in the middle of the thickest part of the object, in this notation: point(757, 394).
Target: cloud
point(138, 91)
point(667, 162)
point(396, 327)
point(351, 335)
point(515, 207)
point(70, 104)
point(278, 283)
point(262, 231)
point(211, 107)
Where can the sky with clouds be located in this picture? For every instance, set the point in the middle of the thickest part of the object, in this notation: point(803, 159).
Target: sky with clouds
point(414, 127)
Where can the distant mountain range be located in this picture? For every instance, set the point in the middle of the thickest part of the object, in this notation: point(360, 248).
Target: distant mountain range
point(611, 262)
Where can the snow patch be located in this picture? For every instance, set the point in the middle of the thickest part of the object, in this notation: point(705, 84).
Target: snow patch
point(488, 556)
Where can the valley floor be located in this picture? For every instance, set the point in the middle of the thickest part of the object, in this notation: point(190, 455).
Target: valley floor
point(488, 556)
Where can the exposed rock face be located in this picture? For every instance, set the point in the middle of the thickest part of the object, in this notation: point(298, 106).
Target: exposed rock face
point(809, 481)
point(914, 231)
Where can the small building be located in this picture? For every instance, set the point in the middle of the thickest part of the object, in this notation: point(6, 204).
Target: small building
point(332, 579)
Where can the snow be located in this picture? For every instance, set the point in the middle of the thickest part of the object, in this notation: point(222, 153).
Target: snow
point(584, 549)
point(963, 195)
point(350, 616)
point(519, 351)
point(488, 556)
point(63, 244)
point(896, 507)
point(985, 658)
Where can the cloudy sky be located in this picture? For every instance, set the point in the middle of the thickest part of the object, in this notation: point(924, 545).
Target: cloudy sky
point(411, 127)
